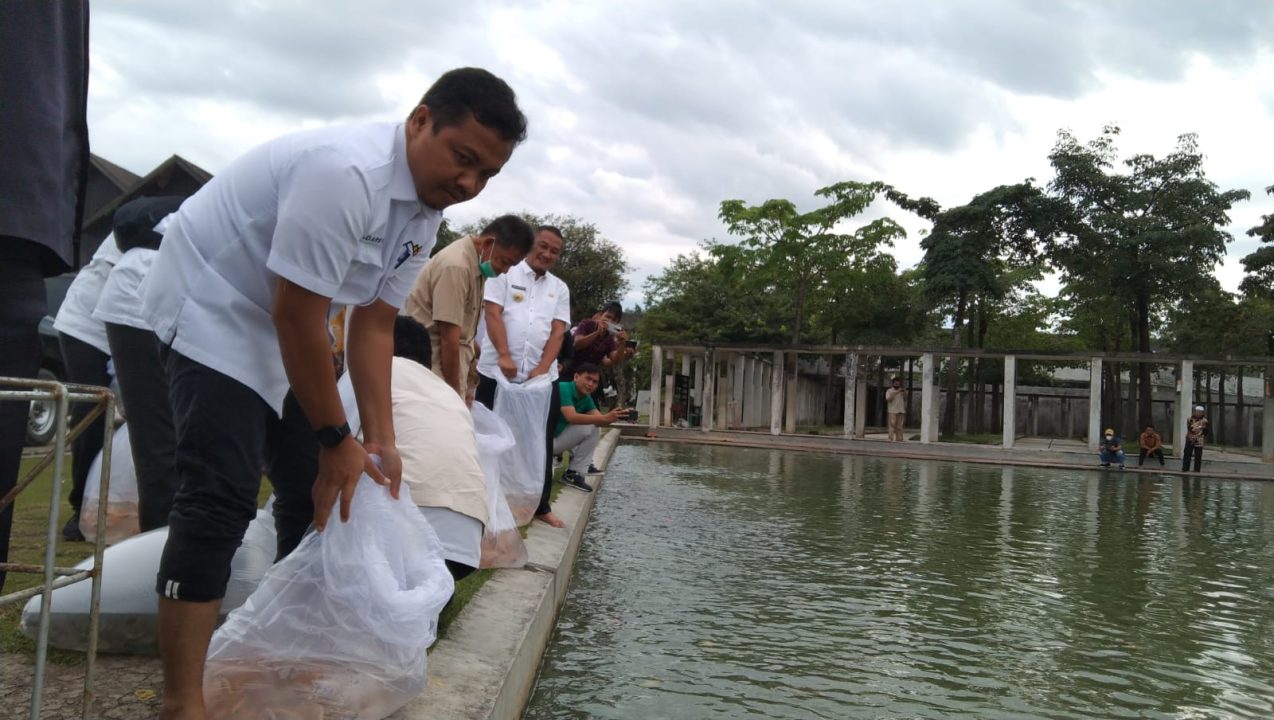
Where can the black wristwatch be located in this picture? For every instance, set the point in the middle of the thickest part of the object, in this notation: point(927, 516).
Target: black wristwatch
point(332, 435)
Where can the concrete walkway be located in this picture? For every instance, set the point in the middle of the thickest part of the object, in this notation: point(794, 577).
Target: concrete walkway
point(1031, 452)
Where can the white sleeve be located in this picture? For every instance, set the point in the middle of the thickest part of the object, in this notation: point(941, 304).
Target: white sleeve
point(563, 310)
point(324, 208)
point(496, 289)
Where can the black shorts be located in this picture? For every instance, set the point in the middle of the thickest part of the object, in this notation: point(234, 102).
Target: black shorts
point(226, 436)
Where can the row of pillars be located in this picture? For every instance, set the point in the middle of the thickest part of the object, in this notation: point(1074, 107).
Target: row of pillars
point(745, 384)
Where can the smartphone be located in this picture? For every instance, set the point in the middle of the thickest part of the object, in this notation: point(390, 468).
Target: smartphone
point(632, 344)
point(632, 415)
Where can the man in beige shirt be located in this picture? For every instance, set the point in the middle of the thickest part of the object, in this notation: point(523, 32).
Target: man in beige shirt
point(896, 405)
point(447, 296)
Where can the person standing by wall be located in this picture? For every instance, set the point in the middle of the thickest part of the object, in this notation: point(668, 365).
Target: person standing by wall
point(1196, 435)
point(43, 166)
point(527, 313)
point(896, 405)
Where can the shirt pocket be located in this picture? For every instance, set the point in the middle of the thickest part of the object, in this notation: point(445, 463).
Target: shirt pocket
point(366, 275)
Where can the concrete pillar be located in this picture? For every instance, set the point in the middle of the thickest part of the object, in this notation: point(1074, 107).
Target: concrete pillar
point(851, 393)
point(724, 404)
point(738, 371)
point(928, 400)
point(656, 385)
point(860, 412)
point(709, 378)
point(1267, 418)
point(776, 394)
point(1185, 405)
point(793, 394)
point(1010, 400)
point(1094, 403)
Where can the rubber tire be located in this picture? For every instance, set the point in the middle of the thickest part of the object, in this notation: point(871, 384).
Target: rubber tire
point(41, 423)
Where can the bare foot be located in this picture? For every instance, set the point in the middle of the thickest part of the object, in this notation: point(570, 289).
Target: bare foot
point(551, 519)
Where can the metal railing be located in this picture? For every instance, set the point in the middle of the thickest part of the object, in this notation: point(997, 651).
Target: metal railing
point(62, 395)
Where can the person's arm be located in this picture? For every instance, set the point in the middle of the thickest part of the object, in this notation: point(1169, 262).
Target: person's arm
point(499, 338)
point(616, 356)
point(369, 353)
point(592, 417)
point(585, 339)
point(449, 337)
point(551, 349)
point(300, 320)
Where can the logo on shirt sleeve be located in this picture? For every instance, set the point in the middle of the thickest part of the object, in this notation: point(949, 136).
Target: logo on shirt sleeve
point(410, 250)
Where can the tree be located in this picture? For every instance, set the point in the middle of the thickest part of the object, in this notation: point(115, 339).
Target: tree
point(592, 266)
point(796, 252)
point(1138, 239)
point(446, 236)
point(1260, 263)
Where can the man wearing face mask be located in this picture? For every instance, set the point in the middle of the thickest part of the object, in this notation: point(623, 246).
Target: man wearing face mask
point(447, 296)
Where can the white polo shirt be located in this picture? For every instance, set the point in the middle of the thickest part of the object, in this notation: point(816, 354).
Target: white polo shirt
point(121, 300)
point(332, 210)
point(531, 304)
point(75, 316)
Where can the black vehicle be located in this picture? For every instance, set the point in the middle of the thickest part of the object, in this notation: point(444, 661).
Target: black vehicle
point(40, 423)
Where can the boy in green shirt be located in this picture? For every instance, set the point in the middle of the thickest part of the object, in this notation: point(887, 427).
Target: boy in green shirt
point(577, 428)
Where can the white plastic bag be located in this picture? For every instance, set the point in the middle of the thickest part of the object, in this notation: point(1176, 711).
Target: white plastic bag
point(525, 407)
point(339, 628)
point(502, 545)
point(121, 503)
point(129, 606)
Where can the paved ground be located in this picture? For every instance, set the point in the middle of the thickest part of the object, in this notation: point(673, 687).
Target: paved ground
point(127, 689)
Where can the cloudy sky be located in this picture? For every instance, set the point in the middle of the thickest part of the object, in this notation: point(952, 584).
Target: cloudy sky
point(645, 115)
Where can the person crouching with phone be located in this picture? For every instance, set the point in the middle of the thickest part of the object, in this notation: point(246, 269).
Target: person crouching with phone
point(577, 429)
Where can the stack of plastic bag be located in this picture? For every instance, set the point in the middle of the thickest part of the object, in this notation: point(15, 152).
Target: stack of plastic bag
point(525, 407)
point(121, 501)
point(339, 628)
point(502, 545)
point(128, 622)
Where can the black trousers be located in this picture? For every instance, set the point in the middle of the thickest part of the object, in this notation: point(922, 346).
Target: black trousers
point(485, 394)
point(144, 387)
point(1192, 450)
point(22, 305)
point(1141, 457)
point(85, 365)
point(226, 434)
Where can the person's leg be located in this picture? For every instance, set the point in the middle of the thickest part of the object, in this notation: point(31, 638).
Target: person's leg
point(1185, 457)
point(1159, 453)
point(1141, 457)
point(85, 365)
point(1198, 458)
point(1121, 458)
point(1104, 456)
point(221, 430)
point(580, 441)
point(485, 393)
point(545, 511)
point(22, 304)
point(293, 466)
point(143, 384)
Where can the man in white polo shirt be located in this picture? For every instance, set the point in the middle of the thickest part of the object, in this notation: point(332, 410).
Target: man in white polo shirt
point(240, 294)
point(527, 312)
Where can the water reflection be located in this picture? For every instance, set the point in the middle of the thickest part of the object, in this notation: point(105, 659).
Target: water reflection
point(725, 582)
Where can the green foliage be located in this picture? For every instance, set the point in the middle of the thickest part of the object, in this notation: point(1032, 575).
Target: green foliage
point(1260, 263)
point(592, 266)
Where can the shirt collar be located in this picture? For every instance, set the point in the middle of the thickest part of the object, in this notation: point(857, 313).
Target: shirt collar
point(402, 187)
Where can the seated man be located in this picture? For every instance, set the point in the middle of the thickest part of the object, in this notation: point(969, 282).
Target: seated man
point(1151, 445)
point(1111, 450)
point(435, 439)
point(577, 428)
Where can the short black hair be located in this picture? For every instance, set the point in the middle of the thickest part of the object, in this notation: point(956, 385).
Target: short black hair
point(411, 341)
point(469, 91)
point(511, 231)
point(551, 229)
point(614, 308)
point(588, 367)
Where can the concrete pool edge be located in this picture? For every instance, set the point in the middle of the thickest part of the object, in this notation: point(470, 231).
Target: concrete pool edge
point(951, 452)
point(486, 666)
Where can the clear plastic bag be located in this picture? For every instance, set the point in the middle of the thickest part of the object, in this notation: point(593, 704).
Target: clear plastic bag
point(502, 545)
point(129, 606)
point(121, 503)
point(525, 407)
point(339, 628)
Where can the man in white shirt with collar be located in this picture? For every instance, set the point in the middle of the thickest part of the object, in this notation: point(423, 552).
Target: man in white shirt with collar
point(240, 294)
point(527, 312)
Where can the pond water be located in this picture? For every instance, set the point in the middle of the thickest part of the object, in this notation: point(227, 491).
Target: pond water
point(727, 582)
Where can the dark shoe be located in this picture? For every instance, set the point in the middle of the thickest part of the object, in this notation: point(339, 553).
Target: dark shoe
point(1105, 464)
point(71, 530)
point(592, 469)
point(575, 480)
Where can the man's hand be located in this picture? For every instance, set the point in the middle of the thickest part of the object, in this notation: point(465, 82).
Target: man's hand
point(339, 470)
point(537, 372)
point(507, 366)
point(615, 415)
